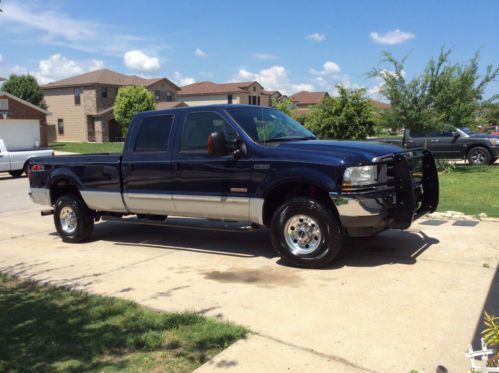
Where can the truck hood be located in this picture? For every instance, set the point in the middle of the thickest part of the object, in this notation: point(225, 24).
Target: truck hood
point(343, 151)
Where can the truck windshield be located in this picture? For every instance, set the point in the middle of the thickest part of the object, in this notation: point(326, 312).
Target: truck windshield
point(269, 125)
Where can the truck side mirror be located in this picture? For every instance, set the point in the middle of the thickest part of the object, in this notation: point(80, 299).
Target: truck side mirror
point(455, 134)
point(216, 144)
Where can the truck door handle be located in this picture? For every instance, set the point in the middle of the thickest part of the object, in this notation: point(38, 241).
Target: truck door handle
point(434, 140)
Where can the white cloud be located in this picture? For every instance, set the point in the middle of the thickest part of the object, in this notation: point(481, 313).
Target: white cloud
point(302, 87)
point(391, 37)
point(264, 56)
point(328, 68)
point(18, 70)
point(58, 67)
point(316, 37)
point(273, 78)
point(200, 53)
point(138, 60)
point(182, 80)
point(52, 27)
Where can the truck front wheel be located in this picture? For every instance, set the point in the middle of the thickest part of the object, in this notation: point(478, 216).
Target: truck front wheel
point(73, 219)
point(306, 233)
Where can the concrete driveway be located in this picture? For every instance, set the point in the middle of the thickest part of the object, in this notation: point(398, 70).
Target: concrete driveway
point(394, 302)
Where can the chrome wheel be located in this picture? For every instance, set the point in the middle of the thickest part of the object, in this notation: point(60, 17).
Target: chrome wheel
point(67, 217)
point(478, 156)
point(302, 234)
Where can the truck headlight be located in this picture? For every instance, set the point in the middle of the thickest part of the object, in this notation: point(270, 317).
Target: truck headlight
point(362, 175)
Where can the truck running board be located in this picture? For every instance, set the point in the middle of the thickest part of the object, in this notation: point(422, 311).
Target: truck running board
point(186, 223)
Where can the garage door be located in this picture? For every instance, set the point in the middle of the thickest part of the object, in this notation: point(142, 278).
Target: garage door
point(20, 134)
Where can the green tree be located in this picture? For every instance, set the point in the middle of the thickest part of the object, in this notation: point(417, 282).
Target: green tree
point(25, 87)
point(285, 105)
point(489, 112)
point(350, 115)
point(443, 95)
point(130, 101)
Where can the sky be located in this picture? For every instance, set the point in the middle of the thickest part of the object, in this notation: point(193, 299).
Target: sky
point(286, 45)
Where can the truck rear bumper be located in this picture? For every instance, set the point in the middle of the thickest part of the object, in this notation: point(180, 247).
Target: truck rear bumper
point(397, 203)
point(40, 196)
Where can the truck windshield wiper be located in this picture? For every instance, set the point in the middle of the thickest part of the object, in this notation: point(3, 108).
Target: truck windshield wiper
point(279, 139)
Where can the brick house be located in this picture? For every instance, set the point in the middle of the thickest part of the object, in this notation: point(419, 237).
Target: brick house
point(82, 106)
point(305, 100)
point(21, 117)
point(209, 93)
point(380, 106)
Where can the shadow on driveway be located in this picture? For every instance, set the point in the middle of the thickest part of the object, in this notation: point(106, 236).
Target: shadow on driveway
point(393, 246)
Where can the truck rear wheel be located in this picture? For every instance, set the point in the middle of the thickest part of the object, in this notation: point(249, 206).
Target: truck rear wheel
point(306, 233)
point(73, 220)
point(16, 173)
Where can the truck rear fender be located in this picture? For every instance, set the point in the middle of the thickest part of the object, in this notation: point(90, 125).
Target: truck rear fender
point(63, 181)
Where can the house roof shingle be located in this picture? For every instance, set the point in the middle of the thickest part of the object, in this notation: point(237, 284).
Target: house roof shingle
point(380, 105)
point(308, 98)
point(104, 76)
point(1, 79)
point(26, 103)
point(210, 88)
point(169, 104)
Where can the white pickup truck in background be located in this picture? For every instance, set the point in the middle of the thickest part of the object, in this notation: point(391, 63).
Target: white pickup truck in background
point(15, 162)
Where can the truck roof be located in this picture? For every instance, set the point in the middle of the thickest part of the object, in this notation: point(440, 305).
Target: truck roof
point(203, 107)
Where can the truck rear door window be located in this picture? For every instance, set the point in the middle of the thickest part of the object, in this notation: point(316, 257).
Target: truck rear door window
point(154, 134)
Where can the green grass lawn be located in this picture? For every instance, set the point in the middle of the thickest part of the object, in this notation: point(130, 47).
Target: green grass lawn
point(47, 329)
point(470, 189)
point(87, 147)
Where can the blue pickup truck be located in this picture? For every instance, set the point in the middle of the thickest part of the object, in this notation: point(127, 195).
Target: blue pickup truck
point(240, 167)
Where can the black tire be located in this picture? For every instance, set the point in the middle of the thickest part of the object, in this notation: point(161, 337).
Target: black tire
point(479, 156)
point(308, 213)
point(78, 229)
point(16, 173)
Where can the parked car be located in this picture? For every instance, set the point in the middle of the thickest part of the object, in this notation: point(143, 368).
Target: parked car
point(248, 167)
point(460, 143)
point(16, 162)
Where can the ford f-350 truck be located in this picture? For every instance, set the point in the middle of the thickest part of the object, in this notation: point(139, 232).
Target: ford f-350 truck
point(247, 167)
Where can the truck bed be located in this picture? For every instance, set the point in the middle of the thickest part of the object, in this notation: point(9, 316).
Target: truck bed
point(91, 171)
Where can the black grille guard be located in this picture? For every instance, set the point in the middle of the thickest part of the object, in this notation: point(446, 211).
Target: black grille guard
point(412, 199)
point(412, 206)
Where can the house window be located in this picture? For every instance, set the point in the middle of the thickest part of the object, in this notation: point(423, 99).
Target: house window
point(253, 100)
point(258, 98)
point(103, 92)
point(77, 92)
point(229, 99)
point(60, 126)
point(4, 104)
point(169, 96)
point(157, 95)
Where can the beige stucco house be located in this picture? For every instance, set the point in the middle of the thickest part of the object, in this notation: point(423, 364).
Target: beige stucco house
point(82, 106)
point(209, 93)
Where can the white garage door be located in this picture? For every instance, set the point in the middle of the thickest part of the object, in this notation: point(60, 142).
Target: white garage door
point(19, 134)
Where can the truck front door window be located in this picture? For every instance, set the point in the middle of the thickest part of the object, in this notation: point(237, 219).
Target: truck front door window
point(199, 126)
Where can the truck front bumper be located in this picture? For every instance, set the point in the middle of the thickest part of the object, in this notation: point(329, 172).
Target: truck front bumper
point(410, 193)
